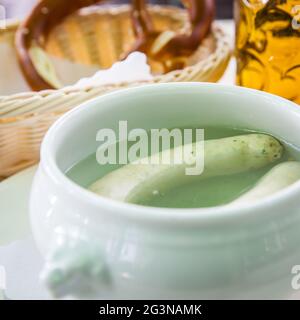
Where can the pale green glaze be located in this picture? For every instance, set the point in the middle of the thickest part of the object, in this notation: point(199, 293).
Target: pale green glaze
point(14, 194)
point(145, 252)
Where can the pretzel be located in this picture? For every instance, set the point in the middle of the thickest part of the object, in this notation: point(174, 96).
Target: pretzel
point(166, 47)
point(35, 29)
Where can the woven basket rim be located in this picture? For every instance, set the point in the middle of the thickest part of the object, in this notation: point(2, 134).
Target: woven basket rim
point(222, 47)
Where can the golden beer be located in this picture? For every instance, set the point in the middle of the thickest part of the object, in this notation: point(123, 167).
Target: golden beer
point(268, 46)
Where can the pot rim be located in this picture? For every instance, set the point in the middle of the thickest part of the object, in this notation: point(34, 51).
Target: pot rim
point(155, 214)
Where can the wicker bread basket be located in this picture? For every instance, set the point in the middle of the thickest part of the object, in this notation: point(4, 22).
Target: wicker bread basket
point(25, 117)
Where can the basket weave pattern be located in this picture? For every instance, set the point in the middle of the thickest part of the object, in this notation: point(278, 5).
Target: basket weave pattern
point(25, 117)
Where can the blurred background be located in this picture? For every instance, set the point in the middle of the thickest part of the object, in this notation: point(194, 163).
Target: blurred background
point(19, 8)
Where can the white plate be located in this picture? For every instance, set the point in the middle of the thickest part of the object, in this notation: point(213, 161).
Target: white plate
point(19, 257)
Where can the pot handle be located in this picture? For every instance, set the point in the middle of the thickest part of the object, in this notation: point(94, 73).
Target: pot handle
point(77, 269)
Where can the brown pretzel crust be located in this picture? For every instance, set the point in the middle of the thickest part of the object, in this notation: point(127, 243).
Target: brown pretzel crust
point(35, 29)
point(201, 14)
point(49, 13)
